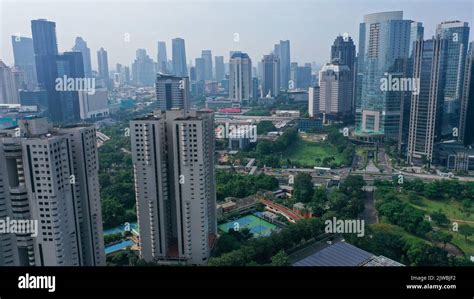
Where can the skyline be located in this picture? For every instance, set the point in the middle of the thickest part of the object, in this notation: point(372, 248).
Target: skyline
point(218, 20)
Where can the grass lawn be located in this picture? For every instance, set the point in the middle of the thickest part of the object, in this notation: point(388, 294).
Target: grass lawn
point(305, 153)
point(453, 209)
point(467, 246)
point(390, 228)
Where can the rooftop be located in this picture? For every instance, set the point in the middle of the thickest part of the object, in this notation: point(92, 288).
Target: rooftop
point(343, 254)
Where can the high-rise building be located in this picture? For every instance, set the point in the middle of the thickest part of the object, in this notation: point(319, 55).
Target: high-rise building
point(172, 92)
point(8, 89)
point(300, 76)
point(282, 51)
point(466, 126)
point(95, 105)
point(313, 101)
point(50, 175)
point(425, 112)
point(200, 69)
point(46, 49)
point(81, 46)
point(192, 74)
point(416, 33)
point(270, 75)
point(343, 50)
point(143, 69)
point(38, 98)
point(207, 56)
point(24, 56)
point(335, 89)
point(9, 248)
point(126, 75)
point(240, 78)
point(162, 58)
point(456, 34)
point(220, 68)
point(383, 53)
point(255, 89)
point(173, 161)
point(69, 65)
point(44, 37)
point(103, 64)
point(179, 58)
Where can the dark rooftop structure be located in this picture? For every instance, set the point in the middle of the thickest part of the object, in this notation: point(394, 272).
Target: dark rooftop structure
point(343, 254)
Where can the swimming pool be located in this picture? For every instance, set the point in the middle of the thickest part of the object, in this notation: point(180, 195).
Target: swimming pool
point(118, 246)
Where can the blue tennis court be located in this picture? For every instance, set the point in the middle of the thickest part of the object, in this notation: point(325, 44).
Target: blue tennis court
point(258, 227)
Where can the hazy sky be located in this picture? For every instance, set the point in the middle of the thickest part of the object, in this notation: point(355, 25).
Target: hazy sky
point(310, 25)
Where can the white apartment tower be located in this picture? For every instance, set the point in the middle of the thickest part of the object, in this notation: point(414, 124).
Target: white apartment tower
point(51, 176)
point(173, 158)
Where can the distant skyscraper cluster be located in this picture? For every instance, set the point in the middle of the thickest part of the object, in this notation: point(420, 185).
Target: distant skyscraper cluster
point(401, 87)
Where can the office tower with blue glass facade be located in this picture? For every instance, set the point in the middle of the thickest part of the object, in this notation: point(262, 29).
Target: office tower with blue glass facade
point(282, 51)
point(200, 69)
point(162, 58)
point(179, 57)
point(69, 65)
point(271, 75)
point(219, 67)
point(103, 64)
point(383, 53)
point(24, 56)
point(466, 126)
point(456, 36)
point(46, 49)
point(208, 68)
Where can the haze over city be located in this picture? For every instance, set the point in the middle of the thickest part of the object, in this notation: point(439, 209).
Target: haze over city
point(223, 133)
point(212, 24)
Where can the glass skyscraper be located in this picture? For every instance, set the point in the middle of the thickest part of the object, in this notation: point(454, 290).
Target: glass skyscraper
point(24, 56)
point(282, 51)
point(179, 57)
point(69, 64)
point(456, 36)
point(81, 46)
point(383, 52)
point(46, 49)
